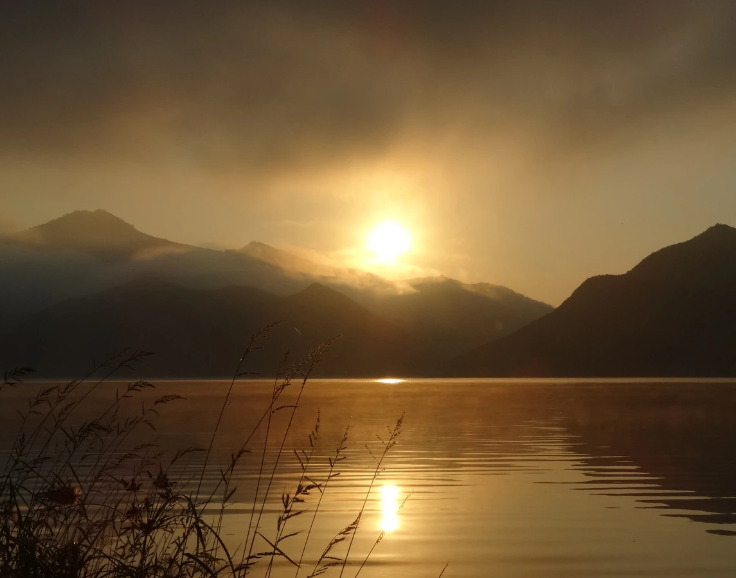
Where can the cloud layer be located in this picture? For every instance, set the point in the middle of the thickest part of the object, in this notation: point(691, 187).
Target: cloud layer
point(435, 108)
point(265, 88)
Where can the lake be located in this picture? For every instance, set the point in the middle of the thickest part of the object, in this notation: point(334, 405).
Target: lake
point(545, 478)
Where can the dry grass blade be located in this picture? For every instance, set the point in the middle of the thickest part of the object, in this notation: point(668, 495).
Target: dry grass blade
point(92, 495)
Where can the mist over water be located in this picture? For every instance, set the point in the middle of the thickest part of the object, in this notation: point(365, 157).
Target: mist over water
point(533, 479)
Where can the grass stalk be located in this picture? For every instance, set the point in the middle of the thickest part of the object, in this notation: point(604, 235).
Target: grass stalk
point(80, 497)
point(387, 444)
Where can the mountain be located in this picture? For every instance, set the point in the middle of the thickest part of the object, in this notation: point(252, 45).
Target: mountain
point(673, 315)
point(84, 253)
point(202, 333)
point(445, 314)
point(285, 260)
point(453, 317)
point(98, 234)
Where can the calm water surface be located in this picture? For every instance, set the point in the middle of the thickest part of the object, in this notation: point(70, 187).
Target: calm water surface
point(506, 479)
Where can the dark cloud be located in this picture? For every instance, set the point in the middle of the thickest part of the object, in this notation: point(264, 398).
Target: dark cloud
point(281, 86)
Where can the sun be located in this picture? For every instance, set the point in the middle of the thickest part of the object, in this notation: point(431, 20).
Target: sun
point(389, 240)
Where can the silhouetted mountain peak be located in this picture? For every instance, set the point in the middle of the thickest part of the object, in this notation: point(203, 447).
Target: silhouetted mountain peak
point(719, 231)
point(721, 227)
point(317, 297)
point(256, 246)
point(265, 252)
point(673, 314)
point(320, 291)
point(280, 258)
point(98, 233)
point(86, 222)
point(713, 248)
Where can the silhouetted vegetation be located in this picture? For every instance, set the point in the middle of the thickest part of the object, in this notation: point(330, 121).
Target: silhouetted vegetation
point(88, 496)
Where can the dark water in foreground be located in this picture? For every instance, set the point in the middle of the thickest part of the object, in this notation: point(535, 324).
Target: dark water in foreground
point(507, 479)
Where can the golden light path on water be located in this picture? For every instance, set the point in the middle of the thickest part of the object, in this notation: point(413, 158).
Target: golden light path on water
point(389, 508)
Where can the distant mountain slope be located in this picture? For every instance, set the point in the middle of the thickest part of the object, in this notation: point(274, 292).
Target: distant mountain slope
point(200, 333)
point(285, 260)
point(86, 252)
point(674, 314)
point(98, 234)
point(454, 317)
point(445, 314)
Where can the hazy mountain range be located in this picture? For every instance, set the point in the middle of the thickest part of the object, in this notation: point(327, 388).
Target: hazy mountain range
point(674, 314)
point(88, 283)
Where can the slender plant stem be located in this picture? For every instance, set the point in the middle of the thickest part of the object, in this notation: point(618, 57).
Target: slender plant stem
point(386, 447)
point(290, 503)
point(333, 463)
point(254, 338)
point(260, 473)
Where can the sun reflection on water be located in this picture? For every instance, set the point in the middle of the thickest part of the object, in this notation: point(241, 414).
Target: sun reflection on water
point(390, 380)
point(389, 508)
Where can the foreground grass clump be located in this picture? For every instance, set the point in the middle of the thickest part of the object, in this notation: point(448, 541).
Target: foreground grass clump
point(85, 497)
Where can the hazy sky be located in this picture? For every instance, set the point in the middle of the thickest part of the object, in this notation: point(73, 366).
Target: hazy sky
point(531, 144)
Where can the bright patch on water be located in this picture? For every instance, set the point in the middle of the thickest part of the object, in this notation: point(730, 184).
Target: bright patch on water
point(390, 380)
point(389, 508)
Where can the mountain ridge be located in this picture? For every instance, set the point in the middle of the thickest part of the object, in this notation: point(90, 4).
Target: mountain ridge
point(201, 332)
point(672, 315)
point(64, 259)
point(98, 233)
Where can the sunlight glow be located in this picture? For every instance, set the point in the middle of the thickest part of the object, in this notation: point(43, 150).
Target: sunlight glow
point(389, 508)
point(390, 380)
point(388, 240)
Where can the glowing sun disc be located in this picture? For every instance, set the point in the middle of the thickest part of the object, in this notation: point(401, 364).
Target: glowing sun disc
point(389, 240)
